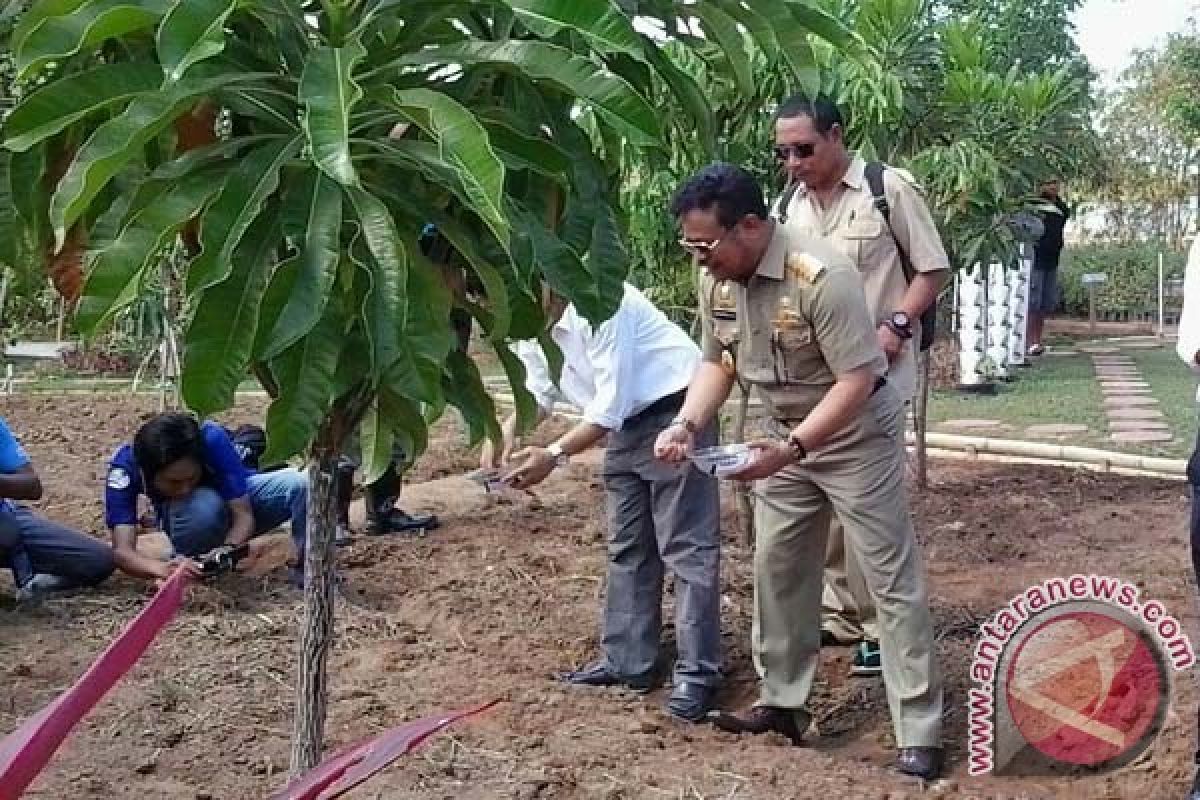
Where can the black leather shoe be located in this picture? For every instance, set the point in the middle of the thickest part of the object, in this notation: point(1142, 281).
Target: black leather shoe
point(920, 762)
point(761, 719)
point(1194, 794)
point(598, 674)
point(691, 701)
point(397, 521)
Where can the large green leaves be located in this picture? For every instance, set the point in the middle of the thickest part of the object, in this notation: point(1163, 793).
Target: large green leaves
point(115, 273)
point(192, 31)
point(109, 149)
point(304, 375)
point(329, 93)
point(599, 22)
point(611, 95)
point(76, 26)
point(220, 338)
point(464, 145)
point(724, 30)
point(240, 201)
point(316, 207)
point(55, 106)
point(383, 309)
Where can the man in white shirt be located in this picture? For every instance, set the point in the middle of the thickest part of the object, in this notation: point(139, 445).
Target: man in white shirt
point(630, 375)
point(1188, 348)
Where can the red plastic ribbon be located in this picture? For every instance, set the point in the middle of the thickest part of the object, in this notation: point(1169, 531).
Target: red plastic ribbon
point(26, 751)
point(360, 762)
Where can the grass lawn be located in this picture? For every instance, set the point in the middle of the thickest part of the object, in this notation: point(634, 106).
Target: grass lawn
point(1055, 390)
point(1175, 389)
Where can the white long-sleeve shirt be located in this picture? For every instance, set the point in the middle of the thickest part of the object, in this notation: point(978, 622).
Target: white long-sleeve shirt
point(1188, 345)
point(630, 361)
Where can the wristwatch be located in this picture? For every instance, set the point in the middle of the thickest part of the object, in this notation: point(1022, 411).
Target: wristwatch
point(797, 447)
point(561, 459)
point(900, 324)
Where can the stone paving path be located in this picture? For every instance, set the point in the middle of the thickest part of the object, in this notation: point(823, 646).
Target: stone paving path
point(1132, 411)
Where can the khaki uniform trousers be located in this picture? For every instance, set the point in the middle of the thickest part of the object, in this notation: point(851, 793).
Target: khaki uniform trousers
point(847, 610)
point(859, 476)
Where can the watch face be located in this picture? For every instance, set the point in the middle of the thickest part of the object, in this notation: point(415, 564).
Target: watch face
point(900, 319)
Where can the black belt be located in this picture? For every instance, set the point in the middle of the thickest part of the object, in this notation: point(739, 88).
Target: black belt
point(663, 405)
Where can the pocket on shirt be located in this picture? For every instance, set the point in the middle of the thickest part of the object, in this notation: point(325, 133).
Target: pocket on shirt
point(797, 354)
point(864, 242)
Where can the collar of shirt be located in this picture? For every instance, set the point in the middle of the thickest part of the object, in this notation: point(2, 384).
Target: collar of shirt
point(855, 177)
point(772, 263)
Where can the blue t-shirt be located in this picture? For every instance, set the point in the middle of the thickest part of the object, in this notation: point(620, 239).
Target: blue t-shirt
point(222, 471)
point(12, 457)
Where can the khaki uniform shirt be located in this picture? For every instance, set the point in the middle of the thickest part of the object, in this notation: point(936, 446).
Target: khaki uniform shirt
point(800, 321)
point(855, 228)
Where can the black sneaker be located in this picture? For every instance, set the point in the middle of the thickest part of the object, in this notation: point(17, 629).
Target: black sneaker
point(868, 661)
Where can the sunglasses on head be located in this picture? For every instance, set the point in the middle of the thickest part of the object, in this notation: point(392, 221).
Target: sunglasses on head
point(798, 151)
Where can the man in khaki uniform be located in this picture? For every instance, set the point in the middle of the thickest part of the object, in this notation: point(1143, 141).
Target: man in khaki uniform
point(788, 315)
point(830, 199)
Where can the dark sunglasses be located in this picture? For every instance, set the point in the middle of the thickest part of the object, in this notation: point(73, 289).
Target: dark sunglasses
point(798, 151)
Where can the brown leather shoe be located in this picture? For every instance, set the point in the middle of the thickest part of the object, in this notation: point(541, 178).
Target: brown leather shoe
point(920, 762)
point(761, 719)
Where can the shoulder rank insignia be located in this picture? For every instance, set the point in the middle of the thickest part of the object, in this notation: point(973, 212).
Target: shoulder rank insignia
point(804, 268)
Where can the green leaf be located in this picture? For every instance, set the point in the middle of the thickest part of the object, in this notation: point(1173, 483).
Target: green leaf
point(587, 284)
point(192, 31)
point(464, 145)
point(119, 140)
point(329, 93)
point(241, 199)
point(25, 182)
point(723, 29)
point(320, 206)
point(583, 78)
point(384, 308)
point(220, 339)
point(601, 23)
point(10, 223)
point(54, 107)
point(524, 404)
point(823, 24)
point(115, 273)
point(690, 97)
point(83, 25)
point(275, 108)
point(377, 437)
point(276, 297)
point(465, 391)
point(467, 245)
point(520, 151)
point(304, 373)
point(793, 43)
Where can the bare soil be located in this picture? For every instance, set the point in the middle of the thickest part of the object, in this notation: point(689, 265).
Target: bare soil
point(505, 594)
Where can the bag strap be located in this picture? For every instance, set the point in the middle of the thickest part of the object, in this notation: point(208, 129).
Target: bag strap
point(874, 176)
point(785, 201)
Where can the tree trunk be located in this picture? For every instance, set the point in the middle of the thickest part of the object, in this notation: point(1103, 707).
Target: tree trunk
point(921, 418)
point(316, 636)
point(741, 491)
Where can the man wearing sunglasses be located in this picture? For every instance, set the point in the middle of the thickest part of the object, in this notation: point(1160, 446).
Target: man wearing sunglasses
point(787, 315)
point(899, 253)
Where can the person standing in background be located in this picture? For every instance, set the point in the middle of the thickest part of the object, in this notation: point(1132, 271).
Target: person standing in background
point(1043, 281)
point(1188, 348)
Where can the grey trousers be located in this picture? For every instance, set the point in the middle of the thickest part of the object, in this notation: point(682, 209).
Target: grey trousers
point(31, 544)
point(661, 516)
